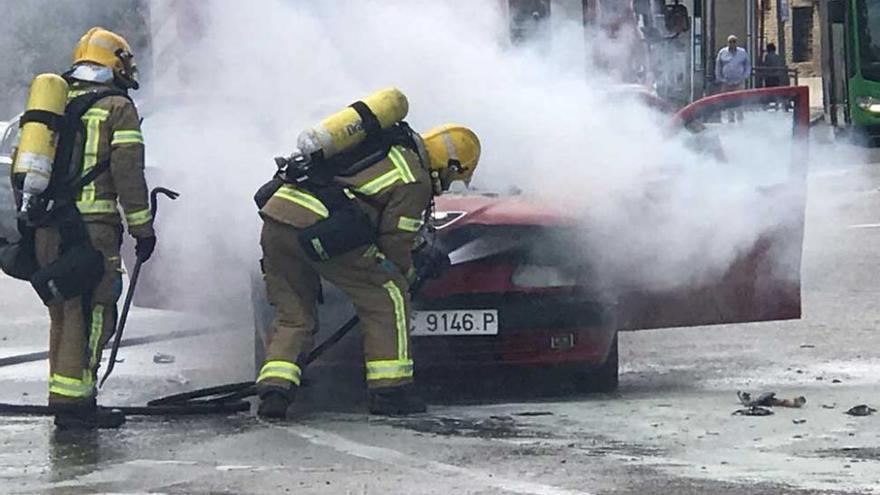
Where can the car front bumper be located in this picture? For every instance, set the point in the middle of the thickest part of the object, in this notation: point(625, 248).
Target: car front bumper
point(535, 330)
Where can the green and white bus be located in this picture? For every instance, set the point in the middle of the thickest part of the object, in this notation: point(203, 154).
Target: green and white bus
point(851, 66)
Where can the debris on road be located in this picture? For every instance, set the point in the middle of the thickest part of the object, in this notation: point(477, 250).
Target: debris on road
point(753, 411)
point(769, 399)
point(799, 421)
point(861, 410)
point(829, 406)
point(836, 381)
point(491, 427)
point(160, 358)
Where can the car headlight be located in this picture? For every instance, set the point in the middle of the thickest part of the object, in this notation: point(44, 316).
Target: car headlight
point(869, 103)
point(541, 276)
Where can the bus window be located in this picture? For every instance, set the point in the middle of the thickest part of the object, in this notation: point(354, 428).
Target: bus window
point(869, 38)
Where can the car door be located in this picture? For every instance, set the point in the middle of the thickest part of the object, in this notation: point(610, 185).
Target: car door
point(763, 282)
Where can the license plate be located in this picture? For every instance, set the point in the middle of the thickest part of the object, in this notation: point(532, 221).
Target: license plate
point(455, 322)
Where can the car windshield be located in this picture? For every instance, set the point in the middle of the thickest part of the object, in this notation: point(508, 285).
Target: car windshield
point(869, 38)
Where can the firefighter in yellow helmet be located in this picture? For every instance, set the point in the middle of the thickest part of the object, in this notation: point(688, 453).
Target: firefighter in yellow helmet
point(80, 232)
point(454, 152)
point(355, 228)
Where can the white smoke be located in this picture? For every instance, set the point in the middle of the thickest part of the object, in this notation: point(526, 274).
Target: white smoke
point(550, 127)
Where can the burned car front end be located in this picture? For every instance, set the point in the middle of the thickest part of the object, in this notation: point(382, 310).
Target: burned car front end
point(516, 295)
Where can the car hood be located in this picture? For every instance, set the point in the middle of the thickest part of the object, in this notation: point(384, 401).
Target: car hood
point(491, 209)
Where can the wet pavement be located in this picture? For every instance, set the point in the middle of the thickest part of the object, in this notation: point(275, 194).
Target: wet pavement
point(669, 429)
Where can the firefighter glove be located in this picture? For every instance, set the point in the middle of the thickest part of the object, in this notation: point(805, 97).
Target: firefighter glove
point(144, 247)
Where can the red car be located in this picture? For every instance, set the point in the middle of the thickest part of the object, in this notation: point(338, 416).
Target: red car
point(510, 300)
point(513, 297)
point(513, 300)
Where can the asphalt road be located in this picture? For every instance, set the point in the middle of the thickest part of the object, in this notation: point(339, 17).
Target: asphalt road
point(669, 429)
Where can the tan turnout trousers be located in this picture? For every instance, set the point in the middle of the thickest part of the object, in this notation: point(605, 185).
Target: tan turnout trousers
point(80, 327)
point(395, 193)
point(378, 291)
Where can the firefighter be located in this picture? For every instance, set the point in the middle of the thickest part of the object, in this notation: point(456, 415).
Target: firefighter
point(394, 192)
point(109, 141)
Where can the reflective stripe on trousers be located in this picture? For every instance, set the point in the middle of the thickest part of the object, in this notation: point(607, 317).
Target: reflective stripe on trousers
point(284, 370)
point(85, 387)
point(402, 367)
point(72, 387)
point(95, 330)
point(389, 370)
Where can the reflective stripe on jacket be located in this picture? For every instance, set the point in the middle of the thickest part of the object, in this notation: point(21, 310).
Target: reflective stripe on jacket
point(113, 132)
point(395, 193)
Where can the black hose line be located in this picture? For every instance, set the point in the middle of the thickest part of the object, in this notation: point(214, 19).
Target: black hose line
point(129, 342)
point(230, 388)
point(185, 409)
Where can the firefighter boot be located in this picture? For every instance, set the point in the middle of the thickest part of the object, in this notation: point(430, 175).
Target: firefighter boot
point(87, 416)
point(274, 404)
point(393, 401)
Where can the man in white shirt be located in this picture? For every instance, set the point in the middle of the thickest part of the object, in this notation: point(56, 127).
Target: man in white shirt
point(732, 68)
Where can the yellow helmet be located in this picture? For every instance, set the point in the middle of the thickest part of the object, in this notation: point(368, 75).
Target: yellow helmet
point(453, 153)
point(103, 47)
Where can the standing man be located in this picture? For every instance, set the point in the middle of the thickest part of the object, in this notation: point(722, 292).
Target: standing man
point(110, 142)
point(302, 223)
point(774, 67)
point(732, 68)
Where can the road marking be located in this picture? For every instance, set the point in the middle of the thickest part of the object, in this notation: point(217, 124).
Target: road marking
point(864, 226)
point(161, 462)
point(398, 459)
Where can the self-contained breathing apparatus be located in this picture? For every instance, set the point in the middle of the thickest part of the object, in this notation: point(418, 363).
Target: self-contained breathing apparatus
point(347, 226)
point(80, 266)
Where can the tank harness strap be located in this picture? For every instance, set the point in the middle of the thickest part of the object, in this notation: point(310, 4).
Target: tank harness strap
point(371, 123)
point(67, 176)
point(93, 174)
point(70, 222)
point(53, 121)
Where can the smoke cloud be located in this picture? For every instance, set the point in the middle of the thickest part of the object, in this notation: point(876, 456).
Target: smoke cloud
point(653, 210)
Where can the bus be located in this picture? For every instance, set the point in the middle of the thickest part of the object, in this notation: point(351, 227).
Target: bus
point(851, 67)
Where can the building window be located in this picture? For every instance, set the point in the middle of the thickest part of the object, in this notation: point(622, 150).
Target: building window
point(802, 34)
point(526, 17)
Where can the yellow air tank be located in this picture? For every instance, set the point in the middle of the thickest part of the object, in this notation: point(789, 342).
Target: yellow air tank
point(37, 143)
point(344, 130)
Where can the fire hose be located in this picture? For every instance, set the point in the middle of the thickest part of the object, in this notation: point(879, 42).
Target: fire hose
point(189, 408)
point(229, 398)
point(433, 262)
point(229, 393)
